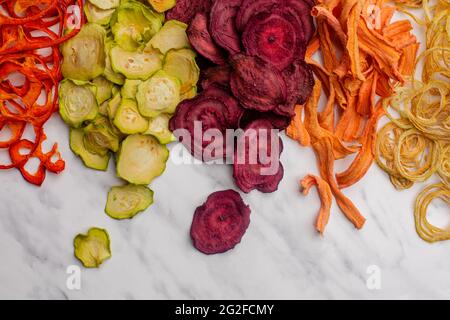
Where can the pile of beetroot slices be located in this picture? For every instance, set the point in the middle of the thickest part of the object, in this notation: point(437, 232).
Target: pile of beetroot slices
point(254, 77)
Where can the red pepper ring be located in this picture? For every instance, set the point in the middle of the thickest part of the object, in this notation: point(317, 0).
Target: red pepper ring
point(45, 160)
point(20, 21)
point(16, 127)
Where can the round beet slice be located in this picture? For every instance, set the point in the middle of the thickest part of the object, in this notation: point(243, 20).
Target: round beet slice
point(256, 84)
point(220, 223)
point(250, 8)
point(213, 109)
point(274, 38)
point(249, 170)
point(201, 40)
point(222, 25)
point(299, 80)
point(185, 10)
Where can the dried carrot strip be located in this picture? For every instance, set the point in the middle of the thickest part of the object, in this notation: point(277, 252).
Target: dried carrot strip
point(326, 198)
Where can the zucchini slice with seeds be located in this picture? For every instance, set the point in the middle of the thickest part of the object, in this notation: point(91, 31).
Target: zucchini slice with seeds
point(90, 160)
point(134, 64)
point(141, 159)
point(127, 201)
point(128, 119)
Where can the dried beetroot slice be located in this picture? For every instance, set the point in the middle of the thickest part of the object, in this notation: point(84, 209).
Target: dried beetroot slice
point(256, 160)
point(303, 10)
point(185, 10)
point(250, 8)
point(201, 39)
point(278, 121)
point(214, 109)
point(275, 37)
point(217, 76)
point(222, 26)
point(300, 82)
point(256, 84)
point(220, 223)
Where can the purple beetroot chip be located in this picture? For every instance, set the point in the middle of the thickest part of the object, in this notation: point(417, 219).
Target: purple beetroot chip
point(212, 110)
point(257, 158)
point(299, 80)
point(201, 40)
point(185, 10)
point(256, 84)
point(222, 25)
point(220, 223)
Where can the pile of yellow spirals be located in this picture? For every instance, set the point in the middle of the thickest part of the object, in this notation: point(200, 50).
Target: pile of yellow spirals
point(415, 144)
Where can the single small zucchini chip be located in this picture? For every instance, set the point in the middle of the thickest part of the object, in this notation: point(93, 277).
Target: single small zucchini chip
point(104, 89)
point(134, 24)
point(128, 119)
point(171, 36)
point(135, 65)
point(162, 5)
point(159, 128)
point(93, 248)
point(84, 55)
point(159, 94)
point(100, 137)
point(96, 15)
point(130, 88)
point(127, 201)
point(141, 159)
point(181, 64)
point(90, 160)
point(77, 104)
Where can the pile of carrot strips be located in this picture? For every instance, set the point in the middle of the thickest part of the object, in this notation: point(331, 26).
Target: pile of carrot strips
point(363, 57)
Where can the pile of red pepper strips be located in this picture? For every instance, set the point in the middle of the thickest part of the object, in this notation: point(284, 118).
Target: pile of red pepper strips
point(20, 21)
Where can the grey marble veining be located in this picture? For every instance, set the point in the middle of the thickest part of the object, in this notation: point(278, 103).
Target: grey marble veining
point(281, 256)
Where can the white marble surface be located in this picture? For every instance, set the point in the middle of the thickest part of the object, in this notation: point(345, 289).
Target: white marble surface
point(281, 256)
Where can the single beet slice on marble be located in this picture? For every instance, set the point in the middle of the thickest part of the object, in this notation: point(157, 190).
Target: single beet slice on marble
point(220, 223)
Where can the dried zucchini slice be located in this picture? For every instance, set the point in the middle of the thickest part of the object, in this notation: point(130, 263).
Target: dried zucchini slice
point(90, 160)
point(159, 128)
point(77, 104)
point(130, 88)
point(127, 201)
point(181, 64)
point(99, 137)
point(104, 89)
point(162, 5)
point(128, 119)
point(84, 55)
point(141, 159)
point(159, 94)
point(171, 36)
point(96, 15)
point(135, 65)
point(93, 248)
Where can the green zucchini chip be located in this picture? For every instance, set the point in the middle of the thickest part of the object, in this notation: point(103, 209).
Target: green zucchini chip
point(181, 64)
point(93, 248)
point(84, 55)
point(141, 159)
point(171, 36)
point(159, 128)
point(104, 89)
point(100, 137)
point(135, 65)
point(113, 105)
point(109, 73)
point(134, 24)
point(128, 119)
point(127, 201)
point(90, 160)
point(77, 103)
point(96, 15)
point(159, 94)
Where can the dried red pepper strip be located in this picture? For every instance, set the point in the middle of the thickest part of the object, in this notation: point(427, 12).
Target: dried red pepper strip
point(22, 104)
